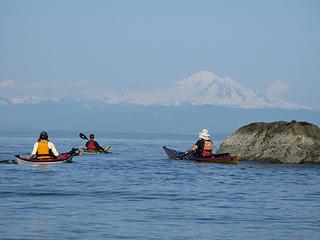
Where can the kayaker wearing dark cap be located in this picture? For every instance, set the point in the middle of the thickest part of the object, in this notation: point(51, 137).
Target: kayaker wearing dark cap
point(43, 148)
point(204, 146)
point(92, 145)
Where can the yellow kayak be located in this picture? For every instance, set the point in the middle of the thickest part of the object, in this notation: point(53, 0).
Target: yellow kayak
point(87, 151)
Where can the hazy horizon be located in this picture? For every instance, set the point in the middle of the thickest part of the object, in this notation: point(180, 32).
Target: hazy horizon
point(90, 47)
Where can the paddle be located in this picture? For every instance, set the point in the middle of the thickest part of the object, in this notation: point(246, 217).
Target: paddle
point(75, 151)
point(184, 154)
point(8, 161)
point(188, 152)
point(14, 161)
point(81, 135)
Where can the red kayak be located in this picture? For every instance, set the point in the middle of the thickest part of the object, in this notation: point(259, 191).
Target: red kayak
point(215, 158)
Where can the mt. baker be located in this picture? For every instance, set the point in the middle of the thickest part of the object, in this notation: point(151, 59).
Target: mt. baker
point(203, 88)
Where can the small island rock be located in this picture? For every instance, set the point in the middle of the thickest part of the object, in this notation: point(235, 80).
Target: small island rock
point(276, 142)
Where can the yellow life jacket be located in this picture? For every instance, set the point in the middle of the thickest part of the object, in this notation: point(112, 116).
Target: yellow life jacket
point(43, 149)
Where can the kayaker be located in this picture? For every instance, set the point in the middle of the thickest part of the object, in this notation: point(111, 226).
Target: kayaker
point(92, 145)
point(204, 146)
point(43, 148)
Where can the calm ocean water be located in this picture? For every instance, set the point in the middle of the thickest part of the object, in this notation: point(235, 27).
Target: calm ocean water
point(135, 192)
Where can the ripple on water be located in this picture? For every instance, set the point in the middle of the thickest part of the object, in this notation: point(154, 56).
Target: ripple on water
point(137, 193)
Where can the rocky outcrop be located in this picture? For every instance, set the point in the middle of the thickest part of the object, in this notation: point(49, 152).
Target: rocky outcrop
point(277, 142)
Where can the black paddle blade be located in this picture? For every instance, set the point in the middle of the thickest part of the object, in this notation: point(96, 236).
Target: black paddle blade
point(13, 161)
point(81, 135)
point(74, 151)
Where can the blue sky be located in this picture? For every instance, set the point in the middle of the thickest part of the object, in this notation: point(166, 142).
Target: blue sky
point(145, 45)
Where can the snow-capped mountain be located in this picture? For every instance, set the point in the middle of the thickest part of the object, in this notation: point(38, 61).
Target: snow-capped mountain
point(201, 88)
point(206, 88)
point(173, 109)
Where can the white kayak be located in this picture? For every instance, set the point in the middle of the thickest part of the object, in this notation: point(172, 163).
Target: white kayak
point(62, 158)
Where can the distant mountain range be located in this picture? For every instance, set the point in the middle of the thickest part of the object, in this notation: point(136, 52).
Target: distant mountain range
point(102, 117)
point(201, 88)
point(202, 100)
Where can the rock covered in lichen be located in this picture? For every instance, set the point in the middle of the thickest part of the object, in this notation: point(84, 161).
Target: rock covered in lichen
point(277, 142)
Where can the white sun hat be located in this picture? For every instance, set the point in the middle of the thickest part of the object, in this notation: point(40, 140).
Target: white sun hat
point(204, 134)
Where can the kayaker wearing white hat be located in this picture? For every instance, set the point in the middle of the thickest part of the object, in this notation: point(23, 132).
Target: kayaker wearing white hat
point(204, 146)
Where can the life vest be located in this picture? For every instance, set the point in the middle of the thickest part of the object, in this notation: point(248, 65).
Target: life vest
point(207, 148)
point(91, 145)
point(43, 149)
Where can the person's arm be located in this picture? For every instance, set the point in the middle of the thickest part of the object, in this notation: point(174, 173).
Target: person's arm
point(98, 146)
point(53, 149)
point(194, 147)
point(35, 149)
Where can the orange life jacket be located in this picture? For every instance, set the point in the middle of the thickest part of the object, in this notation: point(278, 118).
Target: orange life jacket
point(207, 148)
point(43, 149)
